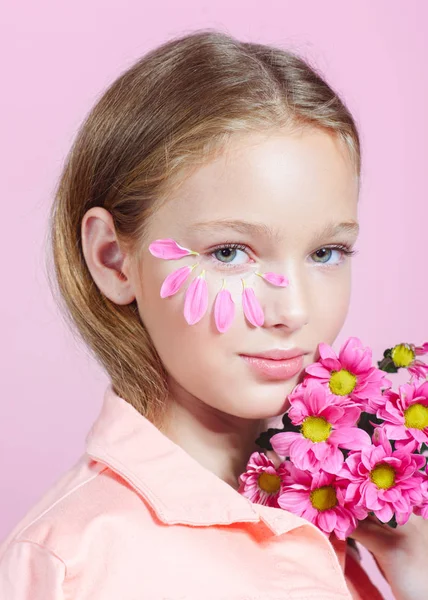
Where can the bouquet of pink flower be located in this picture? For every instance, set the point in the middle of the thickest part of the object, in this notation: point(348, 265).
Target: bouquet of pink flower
point(350, 445)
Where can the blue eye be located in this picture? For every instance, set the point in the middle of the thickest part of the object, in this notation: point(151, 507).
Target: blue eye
point(231, 254)
point(324, 254)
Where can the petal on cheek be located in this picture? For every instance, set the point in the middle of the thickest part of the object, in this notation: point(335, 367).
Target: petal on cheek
point(168, 249)
point(224, 310)
point(276, 279)
point(252, 309)
point(196, 300)
point(174, 281)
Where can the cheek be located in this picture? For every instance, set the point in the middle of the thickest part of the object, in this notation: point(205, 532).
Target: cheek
point(331, 305)
point(185, 348)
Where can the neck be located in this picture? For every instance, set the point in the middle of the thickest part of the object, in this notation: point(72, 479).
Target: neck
point(220, 442)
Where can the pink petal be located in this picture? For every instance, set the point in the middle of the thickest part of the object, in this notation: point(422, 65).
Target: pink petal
point(320, 450)
point(252, 309)
point(295, 502)
point(385, 513)
point(327, 520)
point(275, 279)
point(351, 438)
point(350, 416)
point(423, 349)
point(333, 461)
point(168, 249)
point(318, 370)
point(281, 441)
point(326, 351)
point(174, 281)
point(196, 300)
point(224, 310)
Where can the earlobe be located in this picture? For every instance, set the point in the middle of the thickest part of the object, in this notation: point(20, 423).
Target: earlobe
point(104, 258)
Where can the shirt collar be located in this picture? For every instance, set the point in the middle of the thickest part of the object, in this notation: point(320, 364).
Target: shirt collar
point(177, 487)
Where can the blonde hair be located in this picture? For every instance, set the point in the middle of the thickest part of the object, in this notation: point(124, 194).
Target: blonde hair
point(176, 107)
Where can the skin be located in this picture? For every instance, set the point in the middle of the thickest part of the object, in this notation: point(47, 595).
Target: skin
point(295, 183)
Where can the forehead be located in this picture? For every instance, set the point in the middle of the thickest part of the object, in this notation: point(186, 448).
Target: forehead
point(281, 179)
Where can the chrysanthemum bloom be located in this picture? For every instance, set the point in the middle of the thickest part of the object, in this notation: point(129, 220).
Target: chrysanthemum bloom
point(319, 498)
point(262, 481)
point(350, 374)
point(383, 480)
point(404, 355)
point(327, 424)
point(405, 415)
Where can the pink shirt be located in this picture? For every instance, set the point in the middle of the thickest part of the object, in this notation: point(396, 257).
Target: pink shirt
point(137, 518)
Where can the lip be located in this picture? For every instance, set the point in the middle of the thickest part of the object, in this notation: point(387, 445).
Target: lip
point(276, 369)
point(278, 353)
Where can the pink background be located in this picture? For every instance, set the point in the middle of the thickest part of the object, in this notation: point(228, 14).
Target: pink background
point(60, 57)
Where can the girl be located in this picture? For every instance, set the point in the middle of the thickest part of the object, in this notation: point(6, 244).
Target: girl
point(202, 233)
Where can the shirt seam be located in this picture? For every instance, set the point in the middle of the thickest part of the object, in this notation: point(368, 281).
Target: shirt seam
point(42, 547)
point(51, 506)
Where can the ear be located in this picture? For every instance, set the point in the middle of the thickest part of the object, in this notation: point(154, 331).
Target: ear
point(107, 263)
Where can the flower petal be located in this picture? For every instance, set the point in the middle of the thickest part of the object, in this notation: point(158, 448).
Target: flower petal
point(174, 281)
point(252, 309)
point(276, 279)
point(168, 249)
point(385, 513)
point(196, 300)
point(333, 461)
point(351, 438)
point(224, 310)
point(327, 520)
point(281, 441)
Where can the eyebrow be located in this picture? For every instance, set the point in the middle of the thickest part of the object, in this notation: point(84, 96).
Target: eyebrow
point(262, 230)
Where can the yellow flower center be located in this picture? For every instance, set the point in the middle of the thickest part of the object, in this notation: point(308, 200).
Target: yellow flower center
point(416, 416)
point(316, 429)
point(323, 498)
point(383, 476)
point(402, 355)
point(342, 382)
point(269, 483)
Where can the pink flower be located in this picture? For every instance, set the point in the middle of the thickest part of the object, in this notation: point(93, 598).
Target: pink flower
point(275, 279)
point(319, 498)
point(384, 480)
point(351, 373)
point(196, 300)
point(262, 481)
point(252, 309)
point(224, 309)
point(327, 424)
point(169, 249)
point(175, 280)
point(405, 415)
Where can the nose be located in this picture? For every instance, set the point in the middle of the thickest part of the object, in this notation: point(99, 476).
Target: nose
point(286, 308)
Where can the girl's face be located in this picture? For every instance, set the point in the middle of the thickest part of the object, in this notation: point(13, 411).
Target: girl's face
point(284, 200)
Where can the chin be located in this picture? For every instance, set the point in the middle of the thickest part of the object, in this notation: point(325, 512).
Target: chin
point(263, 405)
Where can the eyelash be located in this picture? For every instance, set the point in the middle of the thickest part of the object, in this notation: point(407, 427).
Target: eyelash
point(346, 250)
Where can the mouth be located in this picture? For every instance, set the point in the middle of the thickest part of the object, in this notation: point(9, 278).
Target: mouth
point(277, 369)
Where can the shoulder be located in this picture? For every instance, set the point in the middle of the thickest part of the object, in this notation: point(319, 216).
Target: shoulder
point(89, 505)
